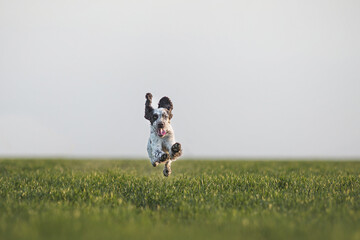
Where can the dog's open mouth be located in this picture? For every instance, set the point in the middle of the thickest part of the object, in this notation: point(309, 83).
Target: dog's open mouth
point(161, 132)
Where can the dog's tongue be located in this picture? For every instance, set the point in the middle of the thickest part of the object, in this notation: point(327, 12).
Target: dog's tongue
point(162, 132)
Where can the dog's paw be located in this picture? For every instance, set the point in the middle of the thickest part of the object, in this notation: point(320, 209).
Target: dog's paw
point(155, 164)
point(164, 157)
point(167, 171)
point(176, 147)
point(176, 150)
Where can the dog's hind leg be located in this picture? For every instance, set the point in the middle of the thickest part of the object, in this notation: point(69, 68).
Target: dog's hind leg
point(167, 168)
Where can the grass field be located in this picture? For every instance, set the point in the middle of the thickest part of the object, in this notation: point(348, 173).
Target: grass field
point(98, 199)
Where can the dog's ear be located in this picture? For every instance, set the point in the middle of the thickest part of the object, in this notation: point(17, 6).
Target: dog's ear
point(148, 108)
point(165, 102)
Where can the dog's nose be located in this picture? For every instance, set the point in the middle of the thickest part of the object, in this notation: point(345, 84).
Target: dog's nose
point(160, 125)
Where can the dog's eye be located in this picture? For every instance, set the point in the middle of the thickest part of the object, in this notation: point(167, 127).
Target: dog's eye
point(155, 116)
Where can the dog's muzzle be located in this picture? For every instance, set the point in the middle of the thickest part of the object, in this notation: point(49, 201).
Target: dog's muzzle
point(161, 132)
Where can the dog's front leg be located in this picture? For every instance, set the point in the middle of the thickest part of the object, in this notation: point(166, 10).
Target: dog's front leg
point(156, 154)
point(159, 156)
point(174, 149)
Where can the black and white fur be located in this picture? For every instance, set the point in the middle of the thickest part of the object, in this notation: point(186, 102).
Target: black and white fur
point(162, 146)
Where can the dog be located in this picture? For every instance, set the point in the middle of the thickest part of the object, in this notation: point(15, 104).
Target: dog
point(162, 147)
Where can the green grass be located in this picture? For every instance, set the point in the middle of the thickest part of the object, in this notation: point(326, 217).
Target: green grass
point(69, 199)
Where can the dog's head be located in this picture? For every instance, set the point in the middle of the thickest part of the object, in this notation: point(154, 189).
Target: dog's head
point(159, 118)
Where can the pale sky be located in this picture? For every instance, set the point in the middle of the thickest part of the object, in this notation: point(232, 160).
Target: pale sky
point(251, 78)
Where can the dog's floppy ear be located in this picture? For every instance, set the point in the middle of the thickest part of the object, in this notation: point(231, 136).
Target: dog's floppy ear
point(148, 108)
point(165, 102)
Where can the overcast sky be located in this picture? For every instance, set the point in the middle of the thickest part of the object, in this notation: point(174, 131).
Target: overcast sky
point(252, 78)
